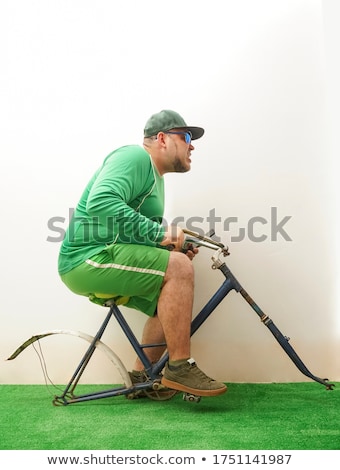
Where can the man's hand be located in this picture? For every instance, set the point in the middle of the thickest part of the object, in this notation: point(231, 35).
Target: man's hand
point(173, 238)
point(191, 252)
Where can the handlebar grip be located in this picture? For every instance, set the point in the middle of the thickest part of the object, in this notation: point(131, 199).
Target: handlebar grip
point(170, 247)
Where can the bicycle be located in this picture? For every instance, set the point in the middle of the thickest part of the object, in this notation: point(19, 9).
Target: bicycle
point(152, 387)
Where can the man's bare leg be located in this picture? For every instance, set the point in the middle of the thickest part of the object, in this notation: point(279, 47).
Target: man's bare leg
point(175, 305)
point(152, 334)
point(174, 313)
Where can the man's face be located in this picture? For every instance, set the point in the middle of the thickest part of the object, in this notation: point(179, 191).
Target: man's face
point(180, 148)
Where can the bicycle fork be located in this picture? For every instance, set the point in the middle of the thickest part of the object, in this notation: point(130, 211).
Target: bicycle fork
point(268, 322)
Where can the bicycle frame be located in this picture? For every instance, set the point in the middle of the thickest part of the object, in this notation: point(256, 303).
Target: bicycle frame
point(153, 370)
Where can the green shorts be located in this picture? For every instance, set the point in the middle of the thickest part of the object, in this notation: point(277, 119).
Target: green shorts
point(132, 274)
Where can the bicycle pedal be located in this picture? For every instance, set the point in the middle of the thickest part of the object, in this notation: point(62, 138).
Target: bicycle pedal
point(190, 397)
point(156, 385)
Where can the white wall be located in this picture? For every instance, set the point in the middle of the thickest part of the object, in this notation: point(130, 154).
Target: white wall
point(81, 78)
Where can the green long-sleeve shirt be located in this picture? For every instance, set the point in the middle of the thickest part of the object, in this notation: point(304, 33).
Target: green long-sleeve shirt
point(122, 203)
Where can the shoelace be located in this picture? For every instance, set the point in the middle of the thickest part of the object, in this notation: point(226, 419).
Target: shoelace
point(200, 374)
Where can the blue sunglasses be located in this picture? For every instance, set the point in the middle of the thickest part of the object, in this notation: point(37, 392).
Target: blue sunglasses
point(187, 135)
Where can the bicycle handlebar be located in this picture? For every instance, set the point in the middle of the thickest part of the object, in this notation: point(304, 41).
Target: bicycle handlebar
point(194, 240)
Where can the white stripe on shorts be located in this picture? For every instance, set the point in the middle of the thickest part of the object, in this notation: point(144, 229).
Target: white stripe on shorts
point(124, 268)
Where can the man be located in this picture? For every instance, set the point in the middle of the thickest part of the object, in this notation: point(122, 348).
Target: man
point(116, 245)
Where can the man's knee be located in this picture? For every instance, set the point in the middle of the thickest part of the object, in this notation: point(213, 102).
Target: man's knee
point(179, 266)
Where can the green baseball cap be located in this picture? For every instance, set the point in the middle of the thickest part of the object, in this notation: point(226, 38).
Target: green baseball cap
point(166, 120)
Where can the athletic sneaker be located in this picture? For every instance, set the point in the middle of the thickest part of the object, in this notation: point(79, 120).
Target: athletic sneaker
point(187, 377)
point(137, 376)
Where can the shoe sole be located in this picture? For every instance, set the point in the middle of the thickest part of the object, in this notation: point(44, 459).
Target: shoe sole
point(193, 391)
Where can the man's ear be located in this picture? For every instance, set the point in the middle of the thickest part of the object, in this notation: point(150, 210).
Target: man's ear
point(161, 138)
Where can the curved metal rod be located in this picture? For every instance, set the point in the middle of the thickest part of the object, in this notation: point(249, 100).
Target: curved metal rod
point(195, 239)
point(203, 238)
point(99, 344)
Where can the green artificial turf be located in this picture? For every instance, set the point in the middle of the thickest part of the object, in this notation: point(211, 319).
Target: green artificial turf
point(289, 416)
